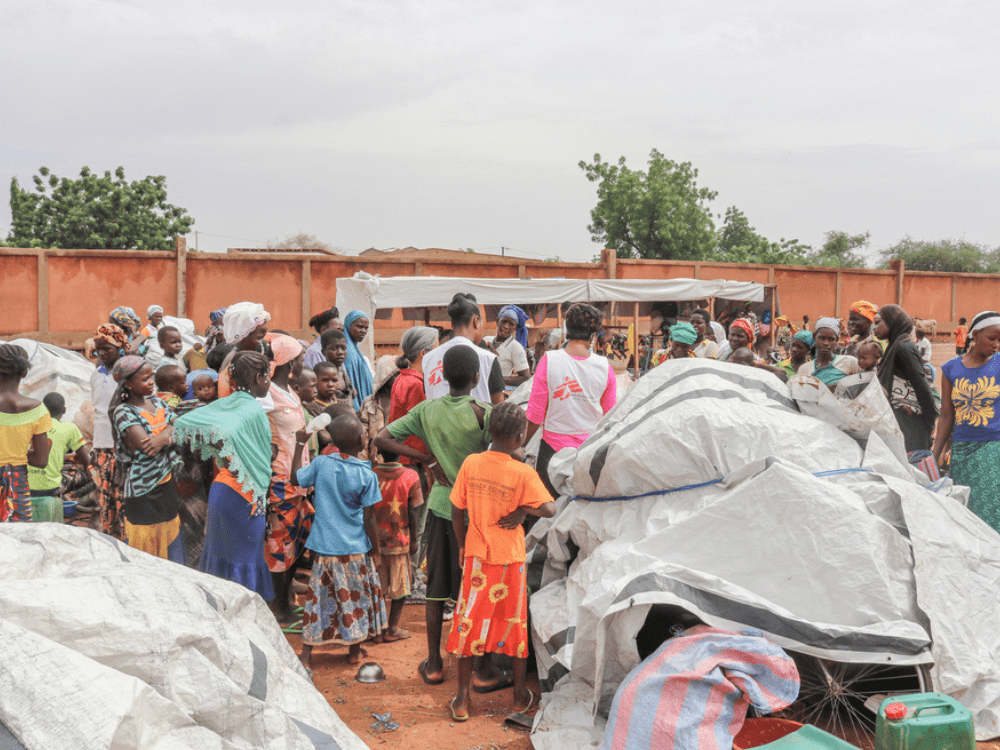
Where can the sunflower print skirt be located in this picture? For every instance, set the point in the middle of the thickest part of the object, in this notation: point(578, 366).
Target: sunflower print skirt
point(492, 611)
point(344, 605)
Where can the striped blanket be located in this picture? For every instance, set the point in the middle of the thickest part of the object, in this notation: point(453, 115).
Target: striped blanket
point(694, 691)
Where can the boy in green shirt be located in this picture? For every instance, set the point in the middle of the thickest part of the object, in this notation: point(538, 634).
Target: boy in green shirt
point(452, 427)
point(66, 438)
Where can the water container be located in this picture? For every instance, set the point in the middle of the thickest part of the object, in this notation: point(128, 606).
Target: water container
point(924, 721)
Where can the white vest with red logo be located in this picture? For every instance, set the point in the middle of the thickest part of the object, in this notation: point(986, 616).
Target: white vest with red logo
point(575, 390)
point(436, 386)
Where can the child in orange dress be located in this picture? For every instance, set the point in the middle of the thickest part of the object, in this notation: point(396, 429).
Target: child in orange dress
point(492, 611)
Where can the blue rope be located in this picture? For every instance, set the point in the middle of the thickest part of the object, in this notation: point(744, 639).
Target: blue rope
point(830, 473)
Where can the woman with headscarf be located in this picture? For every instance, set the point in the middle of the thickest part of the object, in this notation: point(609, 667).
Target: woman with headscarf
point(741, 334)
point(901, 373)
point(573, 388)
point(154, 313)
point(24, 423)
point(829, 367)
point(799, 350)
point(234, 432)
point(681, 338)
point(510, 345)
point(970, 418)
point(319, 323)
point(110, 345)
point(356, 326)
point(143, 431)
point(245, 326)
point(289, 512)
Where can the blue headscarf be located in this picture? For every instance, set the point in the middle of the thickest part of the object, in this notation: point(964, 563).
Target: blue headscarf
point(194, 374)
point(518, 315)
point(216, 315)
point(805, 336)
point(355, 365)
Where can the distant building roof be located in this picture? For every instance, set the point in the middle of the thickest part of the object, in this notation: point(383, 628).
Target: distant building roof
point(428, 253)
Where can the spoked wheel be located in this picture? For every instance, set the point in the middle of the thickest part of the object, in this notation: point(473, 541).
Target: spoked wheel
point(843, 698)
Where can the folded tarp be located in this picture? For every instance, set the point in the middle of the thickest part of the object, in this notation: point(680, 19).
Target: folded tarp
point(107, 648)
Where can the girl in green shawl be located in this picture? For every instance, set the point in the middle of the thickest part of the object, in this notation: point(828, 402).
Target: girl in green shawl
point(235, 433)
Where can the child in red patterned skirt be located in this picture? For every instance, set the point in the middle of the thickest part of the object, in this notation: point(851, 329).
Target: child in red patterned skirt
point(492, 611)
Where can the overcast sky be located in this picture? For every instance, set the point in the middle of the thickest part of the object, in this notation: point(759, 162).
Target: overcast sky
point(461, 123)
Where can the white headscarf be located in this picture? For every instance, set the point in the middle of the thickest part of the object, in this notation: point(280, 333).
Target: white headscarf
point(152, 310)
point(985, 319)
point(832, 323)
point(242, 318)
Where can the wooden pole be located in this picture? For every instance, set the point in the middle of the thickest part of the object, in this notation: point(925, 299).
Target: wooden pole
point(306, 276)
point(635, 324)
point(180, 246)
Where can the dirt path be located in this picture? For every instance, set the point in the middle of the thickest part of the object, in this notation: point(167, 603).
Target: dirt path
point(420, 709)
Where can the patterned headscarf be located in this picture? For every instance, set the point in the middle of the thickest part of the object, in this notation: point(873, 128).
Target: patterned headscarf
point(112, 334)
point(985, 319)
point(125, 318)
point(805, 337)
point(746, 326)
point(216, 315)
point(865, 308)
point(683, 333)
point(520, 317)
point(241, 319)
point(124, 368)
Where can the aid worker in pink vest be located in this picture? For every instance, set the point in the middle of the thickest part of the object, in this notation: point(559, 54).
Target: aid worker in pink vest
point(573, 388)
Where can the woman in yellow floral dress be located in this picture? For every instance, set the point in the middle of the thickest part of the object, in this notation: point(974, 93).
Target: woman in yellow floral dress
point(970, 391)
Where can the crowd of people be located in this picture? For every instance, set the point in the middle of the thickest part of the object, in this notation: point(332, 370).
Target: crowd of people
point(255, 454)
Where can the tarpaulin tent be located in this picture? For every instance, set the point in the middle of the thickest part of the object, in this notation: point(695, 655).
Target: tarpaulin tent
point(105, 647)
point(370, 293)
point(707, 489)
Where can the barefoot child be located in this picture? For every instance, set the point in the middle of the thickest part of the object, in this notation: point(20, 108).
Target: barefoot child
point(492, 612)
point(344, 604)
point(395, 516)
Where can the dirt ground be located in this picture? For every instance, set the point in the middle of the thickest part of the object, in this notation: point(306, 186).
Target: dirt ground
point(420, 709)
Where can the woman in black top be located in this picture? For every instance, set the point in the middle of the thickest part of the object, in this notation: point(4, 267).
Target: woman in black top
point(901, 373)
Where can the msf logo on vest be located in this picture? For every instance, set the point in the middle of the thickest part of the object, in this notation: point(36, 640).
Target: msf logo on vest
point(436, 377)
point(567, 389)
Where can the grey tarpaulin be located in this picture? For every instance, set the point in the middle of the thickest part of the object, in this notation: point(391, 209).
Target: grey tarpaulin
point(778, 520)
point(105, 647)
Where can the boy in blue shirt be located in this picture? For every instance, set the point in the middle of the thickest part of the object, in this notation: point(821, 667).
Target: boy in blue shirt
point(344, 604)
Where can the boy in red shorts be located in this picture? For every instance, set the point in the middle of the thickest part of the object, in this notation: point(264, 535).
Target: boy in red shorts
point(491, 616)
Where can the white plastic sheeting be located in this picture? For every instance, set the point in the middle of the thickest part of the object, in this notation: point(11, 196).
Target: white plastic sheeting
point(107, 648)
point(829, 544)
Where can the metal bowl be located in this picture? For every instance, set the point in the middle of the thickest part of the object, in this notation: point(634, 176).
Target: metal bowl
point(370, 672)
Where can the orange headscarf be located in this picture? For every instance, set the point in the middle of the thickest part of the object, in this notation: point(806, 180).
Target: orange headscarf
point(865, 308)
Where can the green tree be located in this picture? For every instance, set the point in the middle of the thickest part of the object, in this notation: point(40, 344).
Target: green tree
point(841, 250)
point(660, 213)
point(738, 242)
point(949, 256)
point(95, 212)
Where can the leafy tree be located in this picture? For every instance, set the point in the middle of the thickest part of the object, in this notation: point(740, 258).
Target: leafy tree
point(841, 250)
point(738, 242)
point(660, 213)
point(949, 256)
point(95, 212)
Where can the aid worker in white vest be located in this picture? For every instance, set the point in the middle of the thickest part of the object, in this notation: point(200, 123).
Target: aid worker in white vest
point(573, 388)
point(467, 326)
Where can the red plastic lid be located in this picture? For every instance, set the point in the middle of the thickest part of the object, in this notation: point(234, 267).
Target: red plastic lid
point(895, 711)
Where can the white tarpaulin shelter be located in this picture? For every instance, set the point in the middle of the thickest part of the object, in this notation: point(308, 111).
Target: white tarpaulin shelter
point(369, 293)
point(107, 648)
point(708, 489)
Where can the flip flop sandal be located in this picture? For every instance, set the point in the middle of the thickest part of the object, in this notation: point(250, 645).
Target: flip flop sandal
point(423, 673)
point(294, 628)
point(457, 716)
point(504, 681)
